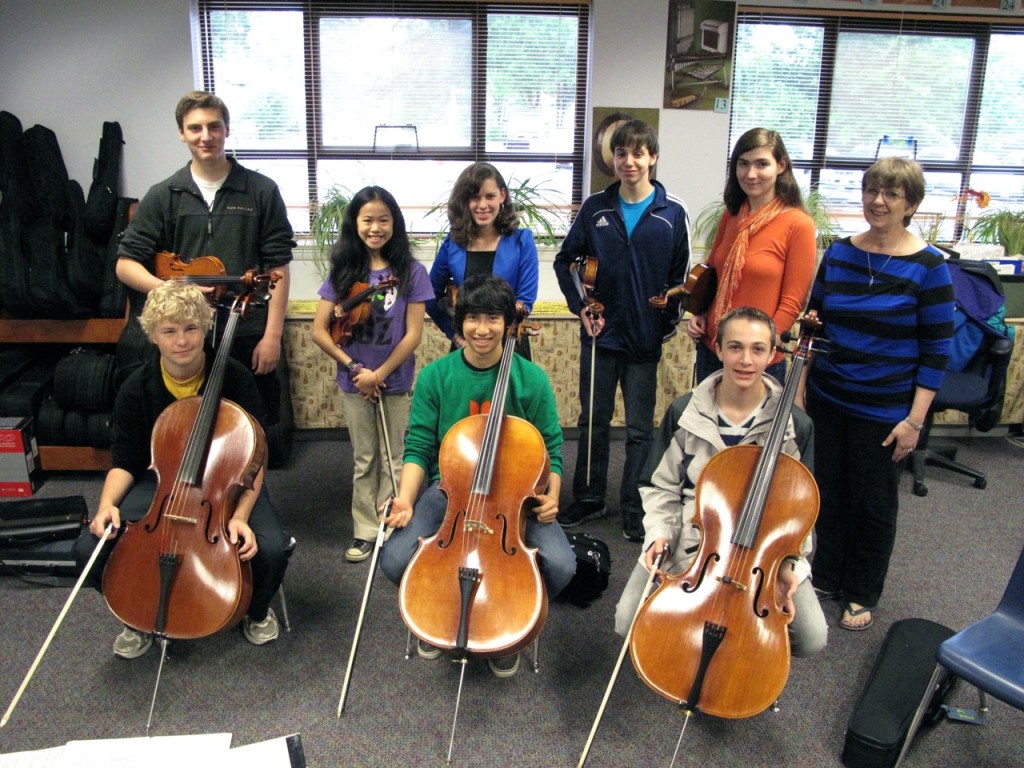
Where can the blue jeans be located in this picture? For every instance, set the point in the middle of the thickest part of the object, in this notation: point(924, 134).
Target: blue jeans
point(708, 363)
point(555, 556)
point(639, 383)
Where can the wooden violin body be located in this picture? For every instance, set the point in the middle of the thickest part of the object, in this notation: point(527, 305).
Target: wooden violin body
point(728, 586)
point(697, 292)
point(210, 588)
point(169, 267)
point(509, 603)
point(355, 310)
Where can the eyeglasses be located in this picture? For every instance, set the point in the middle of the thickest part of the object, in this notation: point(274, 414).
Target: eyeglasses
point(889, 195)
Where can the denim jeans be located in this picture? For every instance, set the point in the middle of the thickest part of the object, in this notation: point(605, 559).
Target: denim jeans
point(639, 391)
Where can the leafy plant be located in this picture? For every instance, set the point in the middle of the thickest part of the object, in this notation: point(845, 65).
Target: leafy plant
point(706, 226)
point(328, 213)
point(536, 205)
point(1003, 227)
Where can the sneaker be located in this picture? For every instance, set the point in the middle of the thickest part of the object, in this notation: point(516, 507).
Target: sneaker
point(131, 644)
point(261, 632)
point(633, 526)
point(427, 651)
point(504, 667)
point(580, 511)
point(359, 551)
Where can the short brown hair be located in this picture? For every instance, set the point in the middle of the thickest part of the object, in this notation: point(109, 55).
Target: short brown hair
point(896, 173)
point(200, 100)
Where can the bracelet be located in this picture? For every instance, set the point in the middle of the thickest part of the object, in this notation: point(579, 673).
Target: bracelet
point(350, 365)
point(914, 425)
point(354, 369)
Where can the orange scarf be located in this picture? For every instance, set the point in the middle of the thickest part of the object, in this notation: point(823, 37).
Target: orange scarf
point(731, 271)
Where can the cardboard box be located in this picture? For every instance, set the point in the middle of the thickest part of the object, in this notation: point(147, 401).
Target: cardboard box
point(20, 473)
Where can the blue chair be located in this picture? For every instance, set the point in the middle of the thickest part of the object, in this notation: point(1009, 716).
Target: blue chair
point(987, 654)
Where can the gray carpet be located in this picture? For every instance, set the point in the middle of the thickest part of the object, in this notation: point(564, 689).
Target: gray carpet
point(955, 551)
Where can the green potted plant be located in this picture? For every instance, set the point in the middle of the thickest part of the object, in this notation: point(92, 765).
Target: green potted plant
point(326, 224)
point(1003, 227)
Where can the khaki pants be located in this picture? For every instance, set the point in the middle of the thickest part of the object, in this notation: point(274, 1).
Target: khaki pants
point(371, 481)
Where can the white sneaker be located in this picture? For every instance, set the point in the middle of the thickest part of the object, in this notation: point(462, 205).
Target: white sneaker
point(261, 632)
point(131, 644)
point(506, 666)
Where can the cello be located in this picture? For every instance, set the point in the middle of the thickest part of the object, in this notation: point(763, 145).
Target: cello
point(474, 587)
point(712, 638)
point(175, 573)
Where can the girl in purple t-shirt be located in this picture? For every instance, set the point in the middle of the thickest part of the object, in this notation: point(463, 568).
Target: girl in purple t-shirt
point(377, 364)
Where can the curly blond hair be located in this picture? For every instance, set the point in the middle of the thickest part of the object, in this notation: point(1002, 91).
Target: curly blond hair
point(178, 303)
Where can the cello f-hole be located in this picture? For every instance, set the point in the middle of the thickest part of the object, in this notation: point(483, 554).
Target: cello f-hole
point(442, 543)
point(714, 557)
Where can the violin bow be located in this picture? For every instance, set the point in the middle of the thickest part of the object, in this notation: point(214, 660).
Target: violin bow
point(56, 625)
point(574, 270)
point(622, 655)
point(381, 528)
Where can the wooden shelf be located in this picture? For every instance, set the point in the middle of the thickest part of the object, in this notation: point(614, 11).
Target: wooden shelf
point(73, 457)
point(94, 330)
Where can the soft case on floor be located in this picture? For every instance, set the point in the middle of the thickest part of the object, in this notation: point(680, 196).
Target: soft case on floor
point(902, 671)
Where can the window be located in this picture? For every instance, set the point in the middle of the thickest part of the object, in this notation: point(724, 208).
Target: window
point(840, 89)
point(402, 94)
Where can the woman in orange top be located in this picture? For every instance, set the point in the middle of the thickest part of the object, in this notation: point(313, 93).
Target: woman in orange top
point(764, 250)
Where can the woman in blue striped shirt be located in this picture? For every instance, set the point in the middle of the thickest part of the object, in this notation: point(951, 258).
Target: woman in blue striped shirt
point(886, 301)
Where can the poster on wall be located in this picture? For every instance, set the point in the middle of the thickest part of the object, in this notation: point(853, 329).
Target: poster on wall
point(605, 121)
point(698, 56)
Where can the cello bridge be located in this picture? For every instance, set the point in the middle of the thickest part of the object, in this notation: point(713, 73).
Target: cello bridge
point(732, 582)
point(476, 525)
point(181, 518)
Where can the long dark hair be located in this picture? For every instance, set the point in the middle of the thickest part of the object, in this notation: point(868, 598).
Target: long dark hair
point(350, 258)
point(463, 226)
point(785, 185)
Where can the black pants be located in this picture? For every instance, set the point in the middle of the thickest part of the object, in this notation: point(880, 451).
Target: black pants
point(859, 486)
point(268, 566)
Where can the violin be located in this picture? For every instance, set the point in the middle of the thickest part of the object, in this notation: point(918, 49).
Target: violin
point(451, 295)
point(584, 276)
point(355, 310)
point(474, 586)
point(202, 270)
point(175, 572)
point(698, 291)
point(712, 638)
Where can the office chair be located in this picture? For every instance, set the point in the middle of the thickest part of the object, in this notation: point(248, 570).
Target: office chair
point(987, 654)
point(976, 380)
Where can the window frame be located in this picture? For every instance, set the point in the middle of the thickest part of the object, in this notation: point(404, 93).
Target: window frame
point(476, 11)
point(979, 29)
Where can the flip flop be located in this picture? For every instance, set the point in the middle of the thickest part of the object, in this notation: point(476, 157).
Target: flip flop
point(847, 608)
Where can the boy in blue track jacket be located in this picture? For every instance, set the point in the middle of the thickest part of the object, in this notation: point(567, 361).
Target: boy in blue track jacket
point(639, 235)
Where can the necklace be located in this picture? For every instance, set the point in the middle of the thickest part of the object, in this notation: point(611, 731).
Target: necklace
point(872, 274)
